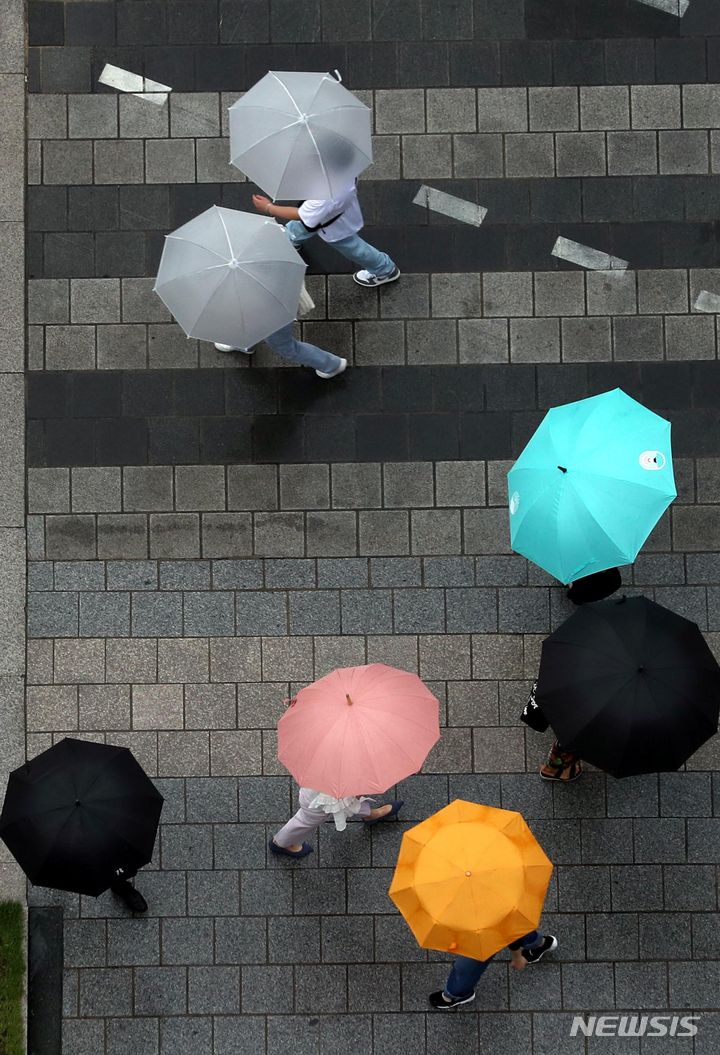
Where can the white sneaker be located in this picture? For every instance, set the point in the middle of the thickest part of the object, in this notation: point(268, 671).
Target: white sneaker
point(232, 348)
point(333, 373)
point(366, 278)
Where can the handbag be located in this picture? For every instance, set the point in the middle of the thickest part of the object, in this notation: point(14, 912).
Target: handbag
point(532, 713)
point(306, 303)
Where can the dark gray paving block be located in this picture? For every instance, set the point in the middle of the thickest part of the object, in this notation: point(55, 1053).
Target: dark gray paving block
point(157, 614)
point(104, 614)
point(633, 796)
point(213, 893)
point(423, 794)
point(265, 798)
point(298, 1034)
point(535, 989)
point(340, 933)
point(187, 941)
point(583, 888)
point(419, 611)
point(705, 936)
point(449, 571)
point(398, 1034)
point(612, 936)
point(84, 943)
point(641, 985)
point(342, 572)
point(289, 574)
point(702, 839)
point(186, 846)
point(320, 988)
point(185, 1036)
point(240, 940)
point(659, 839)
point(694, 988)
point(531, 797)
point(607, 841)
point(294, 939)
point(569, 929)
point(367, 890)
point(237, 574)
point(236, 1035)
point(500, 571)
point(584, 798)
point(209, 614)
point(636, 888)
point(395, 942)
point(320, 890)
point(366, 611)
point(105, 991)
point(551, 1035)
point(523, 610)
point(132, 1034)
point(214, 990)
point(665, 935)
point(707, 1041)
point(559, 838)
point(81, 1037)
point(211, 799)
point(471, 611)
point(685, 795)
point(185, 575)
point(586, 986)
point(447, 1033)
point(160, 991)
point(261, 613)
point(374, 987)
point(239, 845)
point(396, 571)
point(385, 840)
point(133, 942)
point(266, 893)
point(652, 569)
point(164, 892)
point(52, 615)
point(314, 611)
point(474, 787)
point(421, 979)
point(690, 888)
point(266, 989)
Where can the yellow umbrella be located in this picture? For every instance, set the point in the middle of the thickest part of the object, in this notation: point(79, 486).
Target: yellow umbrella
point(470, 879)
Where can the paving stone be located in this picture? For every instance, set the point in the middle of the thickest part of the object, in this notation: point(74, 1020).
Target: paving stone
point(199, 487)
point(331, 533)
point(636, 887)
point(534, 340)
point(81, 1037)
point(655, 106)
point(118, 161)
point(79, 661)
point(184, 1036)
point(157, 706)
point(240, 941)
point(122, 535)
point(580, 154)
point(683, 152)
point(157, 614)
point(96, 490)
point(267, 989)
point(174, 535)
point(559, 293)
point(400, 111)
point(48, 301)
point(502, 110)
point(170, 155)
point(687, 990)
point(208, 614)
point(633, 797)
point(127, 1033)
point(659, 840)
point(106, 992)
point(356, 486)
point(130, 660)
point(67, 162)
point(605, 107)
point(236, 659)
point(314, 612)
point(419, 611)
point(611, 293)
point(553, 109)
point(366, 611)
point(266, 893)
point(183, 754)
point(147, 488)
point(235, 752)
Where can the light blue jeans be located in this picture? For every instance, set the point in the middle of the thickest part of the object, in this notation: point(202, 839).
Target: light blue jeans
point(286, 345)
point(355, 248)
point(466, 972)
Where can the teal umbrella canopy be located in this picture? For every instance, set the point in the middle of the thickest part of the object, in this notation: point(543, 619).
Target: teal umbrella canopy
point(591, 485)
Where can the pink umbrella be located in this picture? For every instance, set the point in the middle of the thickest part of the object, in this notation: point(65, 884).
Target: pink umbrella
point(358, 730)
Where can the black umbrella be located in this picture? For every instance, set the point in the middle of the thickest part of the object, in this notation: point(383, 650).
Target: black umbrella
point(78, 813)
point(629, 686)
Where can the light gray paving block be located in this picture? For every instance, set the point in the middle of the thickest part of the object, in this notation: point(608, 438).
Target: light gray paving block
point(559, 293)
point(82, 1037)
point(194, 114)
point(502, 109)
point(237, 752)
point(139, 1034)
point(226, 534)
point(175, 535)
point(485, 531)
point(235, 659)
point(52, 708)
point(331, 534)
point(95, 490)
point(497, 656)
point(638, 339)
point(632, 153)
point(35, 348)
point(133, 942)
point(661, 292)
point(611, 293)
point(92, 116)
point(157, 614)
point(105, 991)
point(450, 110)
point(185, 575)
point(695, 528)
point(79, 661)
point(140, 121)
point(508, 293)
point(400, 110)
point(210, 707)
point(105, 707)
point(456, 295)
point(656, 105)
point(700, 105)
point(70, 537)
point(12, 296)
point(67, 162)
point(478, 156)
point(426, 157)
point(605, 107)
point(384, 533)
point(356, 486)
point(213, 162)
point(580, 153)
point(118, 161)
point(338, 651)
point(386, 159)
point(261, 613)
point(70, 347)
point(48, 300)
point(553, 109)
point(431, 341)
point(122, 536)
point(46, 116)
point(35, 537)
point(498, 750)
point(366, 611)
point(460, 483)
point(406, 300)
point(199, 487)
point(127, 660)
point(185, 1036)
point(435, 531)
point(684, 152)
point(168, 347)
point(287, 658)
point(279, 534)
point(48, 490)
point(346, 300)
point(444, 657)
point(380, 342)
point(160, 991)
point(170, 155)
point(121, 347)
point(529, 154)
point(304, 486)
point(140, 303)
point(183, 754)
point(408, 484)
point(448, 571)
point(183, 660)
point(690, 337)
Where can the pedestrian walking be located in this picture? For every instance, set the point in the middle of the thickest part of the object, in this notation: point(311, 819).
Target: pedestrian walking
point(316, 808)
point(466, 973)
point(561, 765)
point(123, 889)
point(336, 221)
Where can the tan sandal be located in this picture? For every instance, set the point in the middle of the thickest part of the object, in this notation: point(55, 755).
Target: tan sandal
point(561, 765)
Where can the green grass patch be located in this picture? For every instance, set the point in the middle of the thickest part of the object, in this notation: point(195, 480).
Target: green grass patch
point(12, 971)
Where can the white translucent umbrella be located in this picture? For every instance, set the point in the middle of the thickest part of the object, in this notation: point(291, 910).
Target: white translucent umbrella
point(300, 135)
point(230, 277)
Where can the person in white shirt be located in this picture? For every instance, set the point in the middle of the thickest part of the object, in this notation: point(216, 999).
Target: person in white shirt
point(337, 221)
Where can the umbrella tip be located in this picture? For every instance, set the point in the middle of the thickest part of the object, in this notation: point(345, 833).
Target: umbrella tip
point(349, 701)
point(562, 468)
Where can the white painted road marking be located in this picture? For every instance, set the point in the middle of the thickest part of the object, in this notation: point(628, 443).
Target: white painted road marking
point(449, 205)
point(593, 259)
point(709, 302)
point(672, 7)
point(142, 87)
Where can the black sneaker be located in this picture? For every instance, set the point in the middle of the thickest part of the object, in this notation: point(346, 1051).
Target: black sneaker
point(129, 895)
point(549, 944)
point(443, 1003)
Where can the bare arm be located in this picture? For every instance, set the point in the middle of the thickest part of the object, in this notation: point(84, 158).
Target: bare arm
point(280, 212)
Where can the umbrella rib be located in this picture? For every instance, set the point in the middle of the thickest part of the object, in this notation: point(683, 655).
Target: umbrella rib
point(276, 132)
point(287, 92)
point(227, 234)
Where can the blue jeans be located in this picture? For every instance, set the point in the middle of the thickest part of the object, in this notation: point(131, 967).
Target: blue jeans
point(363, 254)
point(286, 345)
point(466, 973)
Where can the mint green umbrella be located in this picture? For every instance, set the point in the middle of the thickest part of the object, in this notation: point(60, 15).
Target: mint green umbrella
point(591, 485)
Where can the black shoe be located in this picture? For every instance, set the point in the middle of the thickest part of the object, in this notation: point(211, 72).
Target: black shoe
point(549, 944)
point(442, 1003)
point(129, 895)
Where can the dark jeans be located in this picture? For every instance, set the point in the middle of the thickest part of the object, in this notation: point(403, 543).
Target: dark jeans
point(466, 972)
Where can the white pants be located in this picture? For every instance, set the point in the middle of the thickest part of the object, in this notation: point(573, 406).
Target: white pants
point(307, 820)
